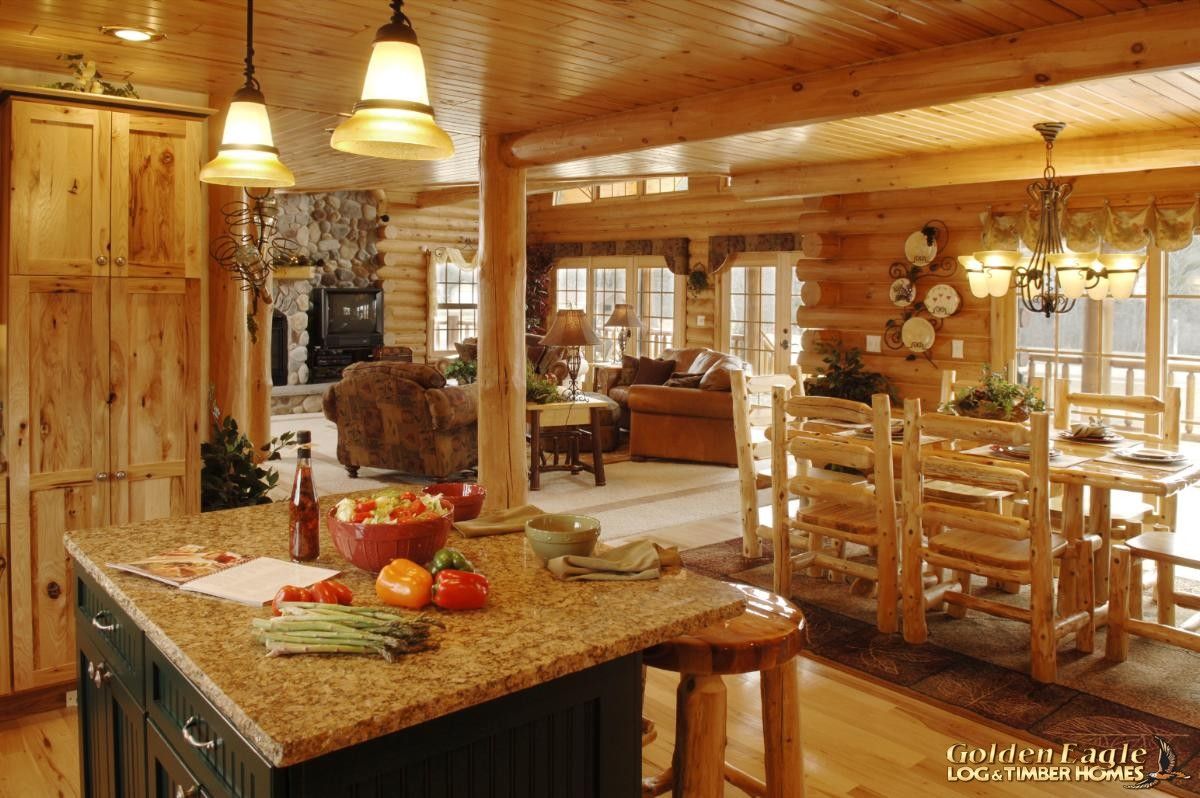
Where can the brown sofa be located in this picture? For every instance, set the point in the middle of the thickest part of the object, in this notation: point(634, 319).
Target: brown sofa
point(403, 416)
point(681, 423)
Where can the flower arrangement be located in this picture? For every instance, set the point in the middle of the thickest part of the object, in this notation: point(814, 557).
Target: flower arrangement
point(87, 79)
point(996, 397)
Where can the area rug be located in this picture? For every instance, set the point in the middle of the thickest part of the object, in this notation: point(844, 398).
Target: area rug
point(979, 665)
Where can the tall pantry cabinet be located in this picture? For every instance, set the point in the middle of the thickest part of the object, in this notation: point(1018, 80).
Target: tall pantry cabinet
point(101, 235)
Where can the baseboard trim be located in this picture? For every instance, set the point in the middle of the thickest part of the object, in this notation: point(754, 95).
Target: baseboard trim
point(31, 702)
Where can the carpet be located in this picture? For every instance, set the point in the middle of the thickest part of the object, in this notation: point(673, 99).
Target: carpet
point(979, 665)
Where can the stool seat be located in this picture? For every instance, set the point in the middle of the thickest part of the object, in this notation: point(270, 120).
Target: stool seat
point(1166, 547)
point(770, 632)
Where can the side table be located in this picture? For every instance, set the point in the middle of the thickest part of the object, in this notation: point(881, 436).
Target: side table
point(565, 414)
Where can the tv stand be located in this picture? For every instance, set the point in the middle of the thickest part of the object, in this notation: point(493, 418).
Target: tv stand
point(325, 364)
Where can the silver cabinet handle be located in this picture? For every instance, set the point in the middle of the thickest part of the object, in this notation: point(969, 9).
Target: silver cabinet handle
point(101, 476)
point(99, 674)
point(102, 260)
point(192, 741)
point(103, 627)
point(120, 475)
point(119, 261)
point(195, 791)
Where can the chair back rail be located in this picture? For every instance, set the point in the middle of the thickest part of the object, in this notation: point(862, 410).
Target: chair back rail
point(943, 425)
point(950, 468)
point(805, 407)
point(825, 490)
point(1160, 418)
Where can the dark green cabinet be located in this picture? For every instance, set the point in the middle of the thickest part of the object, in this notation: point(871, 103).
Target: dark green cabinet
point(112, 729)
point(166, 774)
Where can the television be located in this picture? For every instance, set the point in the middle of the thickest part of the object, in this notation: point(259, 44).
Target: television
point(346, 318)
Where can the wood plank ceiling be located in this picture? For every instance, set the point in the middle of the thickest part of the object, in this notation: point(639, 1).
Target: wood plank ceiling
point(511, 65)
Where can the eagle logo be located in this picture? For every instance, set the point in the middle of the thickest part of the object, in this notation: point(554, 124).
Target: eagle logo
point(1167, 760)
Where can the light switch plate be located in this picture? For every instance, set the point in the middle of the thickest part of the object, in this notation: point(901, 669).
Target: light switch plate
point(956, 349)
point(874, 343)
point(701, 320)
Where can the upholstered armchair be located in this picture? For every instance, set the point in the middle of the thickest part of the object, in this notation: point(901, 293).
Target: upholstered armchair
point(403, 416)
point(548, 361)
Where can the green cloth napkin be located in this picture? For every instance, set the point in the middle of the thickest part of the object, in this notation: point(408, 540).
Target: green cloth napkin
point(638, 560)
point(499, 522)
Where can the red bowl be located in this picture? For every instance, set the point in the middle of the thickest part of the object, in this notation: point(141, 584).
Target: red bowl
point(372, 546)
point(467, 497)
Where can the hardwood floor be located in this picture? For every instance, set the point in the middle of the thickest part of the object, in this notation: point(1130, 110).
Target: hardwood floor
point(861, 740)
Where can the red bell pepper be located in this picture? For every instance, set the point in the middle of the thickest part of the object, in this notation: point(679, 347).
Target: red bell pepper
point(460, 590)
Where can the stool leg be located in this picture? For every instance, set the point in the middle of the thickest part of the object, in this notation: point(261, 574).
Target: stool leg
point(780, 690)
point(1116, 645)
point(1164, 588)
point(699, 761)
point(1136, 585)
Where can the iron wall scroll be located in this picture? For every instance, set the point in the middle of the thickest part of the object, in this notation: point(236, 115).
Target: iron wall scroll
point(903, 292)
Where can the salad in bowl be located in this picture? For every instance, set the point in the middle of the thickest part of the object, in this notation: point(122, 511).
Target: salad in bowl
point(391, 506)
point(371, 532)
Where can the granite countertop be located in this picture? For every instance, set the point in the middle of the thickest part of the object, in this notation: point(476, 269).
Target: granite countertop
point(292, 709)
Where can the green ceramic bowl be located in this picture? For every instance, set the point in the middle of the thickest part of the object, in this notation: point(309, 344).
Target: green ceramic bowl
point(561, 534)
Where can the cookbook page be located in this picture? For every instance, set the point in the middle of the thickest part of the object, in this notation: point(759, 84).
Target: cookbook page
point(256, 582)
point(182, 564)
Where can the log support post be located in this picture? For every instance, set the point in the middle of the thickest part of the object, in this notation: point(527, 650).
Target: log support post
point(501, 379)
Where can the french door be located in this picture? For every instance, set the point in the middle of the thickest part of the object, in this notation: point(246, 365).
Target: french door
point(759, 295)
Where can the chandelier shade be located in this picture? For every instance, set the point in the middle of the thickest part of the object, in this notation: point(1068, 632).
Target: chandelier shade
point(393, 117)
point(247, 155)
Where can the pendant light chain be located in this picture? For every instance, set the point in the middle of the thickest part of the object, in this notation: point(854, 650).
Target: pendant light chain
point(251, 81)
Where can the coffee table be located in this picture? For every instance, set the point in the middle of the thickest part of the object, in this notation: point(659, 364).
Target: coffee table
point(582, 420)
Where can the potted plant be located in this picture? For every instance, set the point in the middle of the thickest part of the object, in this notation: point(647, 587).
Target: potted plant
point(233, 473)
point(697, 281)
point(539, 389)
point(462, 370)
point(996, 398)
point(845, 377)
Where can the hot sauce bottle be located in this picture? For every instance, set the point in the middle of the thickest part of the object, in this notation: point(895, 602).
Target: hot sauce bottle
point(305, 512)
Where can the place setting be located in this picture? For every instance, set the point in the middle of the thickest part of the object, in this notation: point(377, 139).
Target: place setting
point(1058, 458)
point(1095, 431)
point(1147, 457)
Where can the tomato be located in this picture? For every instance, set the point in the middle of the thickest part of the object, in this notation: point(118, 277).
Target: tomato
point(325, 593)
point(290, 593)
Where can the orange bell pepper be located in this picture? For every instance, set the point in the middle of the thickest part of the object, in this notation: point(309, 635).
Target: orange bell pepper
point(403, 583)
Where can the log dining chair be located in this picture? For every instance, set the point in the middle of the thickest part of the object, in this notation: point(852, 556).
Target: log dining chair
point(1006, 548)
point(836, 513)
point(1148, 419)
point(751, 417)
point(1125, 592)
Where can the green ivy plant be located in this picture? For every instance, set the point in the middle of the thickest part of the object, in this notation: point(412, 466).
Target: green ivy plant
point(462, 370)
point(697, 281)
point(89, 80)
point(233, 474)
point(996, 397)
point(845, 377)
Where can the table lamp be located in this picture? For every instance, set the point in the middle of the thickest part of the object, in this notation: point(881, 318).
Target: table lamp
point(571, 330)
point(623, 316)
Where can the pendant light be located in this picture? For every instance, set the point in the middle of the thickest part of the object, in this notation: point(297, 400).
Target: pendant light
point(247, 155)
point(393, 118)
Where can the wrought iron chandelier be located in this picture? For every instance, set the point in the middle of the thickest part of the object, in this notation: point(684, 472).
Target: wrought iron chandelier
point(1051, 278)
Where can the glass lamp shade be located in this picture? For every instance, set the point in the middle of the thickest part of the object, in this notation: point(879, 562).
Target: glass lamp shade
point(1099, 290)
point(998, 265)
point(976, 278)
point(1122, 272)
point(394, 119)
point(1071, 270)
point(570, 328)
point(623, 315)
point(247, 155)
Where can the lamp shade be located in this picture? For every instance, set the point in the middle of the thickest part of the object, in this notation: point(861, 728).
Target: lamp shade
point(393, 118)
point(1122, 272)
point(570, 328)
point(247, 155)
point(1071, 271)
point(623, 315)
point(976, 278)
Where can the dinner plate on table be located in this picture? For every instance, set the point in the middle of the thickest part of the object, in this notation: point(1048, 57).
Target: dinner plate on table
point(1106, 440)
point(1020, 452)
point(1160, 456)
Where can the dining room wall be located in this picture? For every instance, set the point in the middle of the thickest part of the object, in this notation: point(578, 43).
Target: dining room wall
point(858, 237)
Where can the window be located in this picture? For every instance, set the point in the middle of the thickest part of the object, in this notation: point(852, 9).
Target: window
point(1182, 328)
point(760, 294)
point(598, 284)
point(624, 188)
point(456, 315)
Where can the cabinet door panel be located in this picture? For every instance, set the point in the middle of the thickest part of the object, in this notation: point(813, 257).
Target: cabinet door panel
point(60, 190)
point(156, 395)
point(5, 628)
point(166, 775)
point(57, 446)
point(156, 197)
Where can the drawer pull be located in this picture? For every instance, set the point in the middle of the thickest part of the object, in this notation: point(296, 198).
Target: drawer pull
point(195, 791)
point(101, 674)
point(99, 624)
point(192, 741)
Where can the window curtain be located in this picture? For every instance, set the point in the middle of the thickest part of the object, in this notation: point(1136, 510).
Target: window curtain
point(1171, 229)
point(721, 249)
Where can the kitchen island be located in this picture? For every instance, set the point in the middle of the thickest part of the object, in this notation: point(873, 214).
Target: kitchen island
point(536, 695)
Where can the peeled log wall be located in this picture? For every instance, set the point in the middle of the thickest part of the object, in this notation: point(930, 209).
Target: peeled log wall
point(403, 265)
point(853, 239)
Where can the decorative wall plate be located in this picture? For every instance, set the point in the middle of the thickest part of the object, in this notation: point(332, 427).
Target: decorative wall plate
point(902, 292)
point(918, 250)
point(917, 334)
point(942, 300)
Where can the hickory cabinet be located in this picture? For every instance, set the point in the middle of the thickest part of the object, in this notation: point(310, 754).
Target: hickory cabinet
point(103, 244)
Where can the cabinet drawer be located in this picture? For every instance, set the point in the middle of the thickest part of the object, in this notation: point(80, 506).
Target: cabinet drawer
point(215, 752)
point(166, 774)
point(119, 641)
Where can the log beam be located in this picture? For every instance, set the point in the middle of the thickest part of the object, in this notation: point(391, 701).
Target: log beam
point(1126, 152)
point(501, 378)
point(1163, 37)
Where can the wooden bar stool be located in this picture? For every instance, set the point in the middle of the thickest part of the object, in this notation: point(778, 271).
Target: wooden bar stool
point(1166, 550)
point(765, 638)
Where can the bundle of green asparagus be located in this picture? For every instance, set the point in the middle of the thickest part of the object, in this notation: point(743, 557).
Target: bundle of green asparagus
point(311, 628)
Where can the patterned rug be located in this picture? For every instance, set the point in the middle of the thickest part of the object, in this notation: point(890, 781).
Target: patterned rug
point(979, 665)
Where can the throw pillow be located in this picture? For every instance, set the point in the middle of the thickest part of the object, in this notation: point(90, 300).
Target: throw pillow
point(653, 372)
point(716, 378)
point(629, 365)
point(682, 379)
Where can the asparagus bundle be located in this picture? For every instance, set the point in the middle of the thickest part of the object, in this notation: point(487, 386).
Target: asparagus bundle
point(311, 628)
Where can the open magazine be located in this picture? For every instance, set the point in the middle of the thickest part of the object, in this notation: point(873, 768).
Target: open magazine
point(224, 574)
